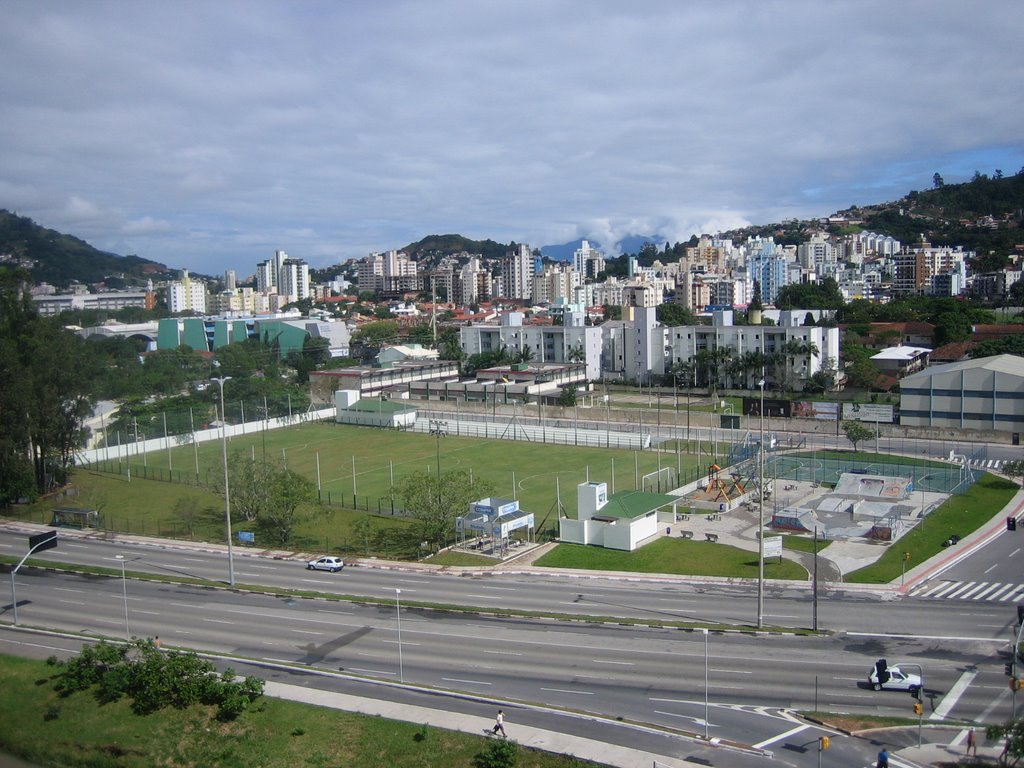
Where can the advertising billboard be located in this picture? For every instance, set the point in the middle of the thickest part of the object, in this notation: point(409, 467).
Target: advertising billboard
point(805, 409)
point(883, 414)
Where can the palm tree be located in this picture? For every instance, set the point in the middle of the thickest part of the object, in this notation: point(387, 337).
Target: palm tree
point(576, 354)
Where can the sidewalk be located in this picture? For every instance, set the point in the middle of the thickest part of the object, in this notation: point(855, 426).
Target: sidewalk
point(526, 736)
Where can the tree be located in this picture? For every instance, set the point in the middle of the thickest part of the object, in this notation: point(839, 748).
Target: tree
point(1012, 736)
point(857, 432)
point(268, 494)
point(434, 503)
point(937, 181)
point(674, 315)
point(756, 303)
point(363, 528)
point(1014, 468)
point(47, 378)
point(567, 397)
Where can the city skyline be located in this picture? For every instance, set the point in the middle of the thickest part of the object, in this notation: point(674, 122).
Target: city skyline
point(207, 136)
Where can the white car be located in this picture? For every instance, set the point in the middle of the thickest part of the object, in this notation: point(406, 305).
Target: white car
point(332, 564)
point(884, 677)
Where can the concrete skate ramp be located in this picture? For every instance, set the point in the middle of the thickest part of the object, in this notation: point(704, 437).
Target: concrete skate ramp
point(873, 486)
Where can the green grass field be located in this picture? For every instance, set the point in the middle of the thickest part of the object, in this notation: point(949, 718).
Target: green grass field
point(356, 468)
point(679, 556)
point(76, 732)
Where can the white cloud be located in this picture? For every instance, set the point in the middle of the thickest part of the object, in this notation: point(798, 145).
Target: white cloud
point(205, 135)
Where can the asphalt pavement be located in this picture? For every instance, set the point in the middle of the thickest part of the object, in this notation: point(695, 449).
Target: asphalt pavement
point(944, 747)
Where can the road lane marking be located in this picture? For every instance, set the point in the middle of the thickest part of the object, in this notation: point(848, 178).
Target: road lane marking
point(950, 699)
point(395, 642)
point(485, 597)
point(371, 671)
point(66, 589)
point(733, 671)
point(623, 663)
point(780, 737)
point(575, 693)
point(302, 631)
point(503, 653)
point(216, 621)
point(467, 682)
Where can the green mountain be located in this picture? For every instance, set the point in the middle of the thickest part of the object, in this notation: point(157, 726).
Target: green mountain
point(434, 246)
point(60, 259)
point(984, 215)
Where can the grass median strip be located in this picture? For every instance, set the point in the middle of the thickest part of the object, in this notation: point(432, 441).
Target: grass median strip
point(39, 725)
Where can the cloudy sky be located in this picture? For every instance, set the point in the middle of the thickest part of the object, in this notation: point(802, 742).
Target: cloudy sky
point(205, 135)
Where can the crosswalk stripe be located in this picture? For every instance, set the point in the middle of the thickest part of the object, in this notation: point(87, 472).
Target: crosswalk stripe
point(985, 591)
point(999, 593)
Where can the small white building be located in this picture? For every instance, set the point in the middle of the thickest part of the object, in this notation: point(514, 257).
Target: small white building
point(619, 521)
point(349, 408)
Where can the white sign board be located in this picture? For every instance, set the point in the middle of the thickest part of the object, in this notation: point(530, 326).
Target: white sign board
point(773, 546)
point(883, 414)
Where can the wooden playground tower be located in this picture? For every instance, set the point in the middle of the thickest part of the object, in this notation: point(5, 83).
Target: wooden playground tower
point(721, 488)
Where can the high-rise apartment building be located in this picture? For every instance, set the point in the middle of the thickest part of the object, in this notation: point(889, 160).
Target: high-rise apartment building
point(186, 295)
point(517, 273)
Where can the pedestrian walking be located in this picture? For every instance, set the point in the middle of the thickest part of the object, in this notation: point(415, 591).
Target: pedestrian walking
point(499, 725)
point(972, 744)
point(883, 758)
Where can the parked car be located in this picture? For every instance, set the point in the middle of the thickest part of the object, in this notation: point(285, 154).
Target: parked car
point(332, 564)
point(884, 677)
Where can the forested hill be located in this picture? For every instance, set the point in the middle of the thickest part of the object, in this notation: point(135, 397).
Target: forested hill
point(984, 215)
point(60, 259)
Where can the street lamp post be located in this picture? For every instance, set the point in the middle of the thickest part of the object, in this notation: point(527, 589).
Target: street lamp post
point(398, 613)
point(124, 591)
point(227, 495)
point(706, 724)
point(760, 512)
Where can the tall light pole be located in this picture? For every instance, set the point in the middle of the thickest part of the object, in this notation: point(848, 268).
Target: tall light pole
point(439, 429)
point(760, 512)
point(124, 591)
point(398, 613)
point(227, 495)
point(706, 724)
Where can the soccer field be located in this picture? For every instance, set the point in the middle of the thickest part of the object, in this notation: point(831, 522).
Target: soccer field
point(357, 466)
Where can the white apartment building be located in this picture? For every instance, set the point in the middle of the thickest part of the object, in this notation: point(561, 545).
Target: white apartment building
point(392, 273)
point(818, 255)
point(242, 301)
point(587, 262)
point(555, 282)
point(186, 295)
point(517, 273)
point(548, 343)
point(473, 284)
point(285, 276)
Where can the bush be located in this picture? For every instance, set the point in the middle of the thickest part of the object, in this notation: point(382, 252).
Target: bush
point(498, 754)
point(153, 679)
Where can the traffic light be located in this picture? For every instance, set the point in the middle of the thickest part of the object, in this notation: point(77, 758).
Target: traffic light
point(823, 743)
point(1008, 668)
point(1011, 523)
point(918, 709)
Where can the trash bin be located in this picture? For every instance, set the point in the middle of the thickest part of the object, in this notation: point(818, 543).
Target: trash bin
point(668, 530)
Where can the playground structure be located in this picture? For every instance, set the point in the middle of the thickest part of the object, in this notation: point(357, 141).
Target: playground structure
point(720, 489)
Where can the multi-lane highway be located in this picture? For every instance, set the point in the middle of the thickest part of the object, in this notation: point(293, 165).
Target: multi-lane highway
point(649, 674)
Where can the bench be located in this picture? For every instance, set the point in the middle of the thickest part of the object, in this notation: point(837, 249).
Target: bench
point(686, 534)
point(712, 537)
